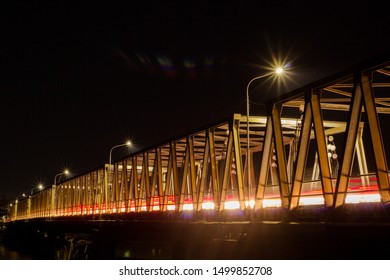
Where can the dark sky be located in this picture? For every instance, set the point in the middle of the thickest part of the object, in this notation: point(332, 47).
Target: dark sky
point(79, 77)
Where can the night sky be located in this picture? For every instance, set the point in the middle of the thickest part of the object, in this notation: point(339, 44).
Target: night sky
point(78, 78)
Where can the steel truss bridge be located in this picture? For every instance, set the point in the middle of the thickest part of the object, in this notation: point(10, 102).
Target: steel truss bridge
point(322, 146)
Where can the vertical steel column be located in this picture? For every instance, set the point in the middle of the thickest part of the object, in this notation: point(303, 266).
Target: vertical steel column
point(38, 205)
point(194, 197)
point(95, 188)
point(63, 199)
point(134, 174)
point(125, 187)
point(53, 201)
point(58, 199)
point(280, 155)
point(160, 178)
point(154, 183)
point(76, 188)
point(376, 137)
point(214, 173)
point(147, 180)
point(82, 193)
point(168, 181)
point(115, 188)
point(104, 198)
point(68, 198)
point(238, 161)
point(303, 149)
point(205, 165)
point(74, 195)
point(227, 170)
point(89, 196)
point(319, 131)
point(45, 204)
point(175, 177)
point(91, 192)
point(119, 188)
point(35, 211)
point(141, 183)
point(132, 193)
point(265, 163)
point(28, 207)
point(184, 179)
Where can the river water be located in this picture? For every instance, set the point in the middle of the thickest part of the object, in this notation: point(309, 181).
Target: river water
point(9, 254)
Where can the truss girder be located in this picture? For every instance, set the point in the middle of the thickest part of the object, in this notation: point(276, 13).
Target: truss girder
point(207, 170)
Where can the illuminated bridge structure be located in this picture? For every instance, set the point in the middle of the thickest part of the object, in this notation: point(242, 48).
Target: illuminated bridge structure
point(322, 146)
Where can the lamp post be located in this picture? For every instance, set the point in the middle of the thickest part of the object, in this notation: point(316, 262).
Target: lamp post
point(39, 187)
point(54, 196)
point(278, 71)
point(128, 144)
point(16, 205)
point(65, 172)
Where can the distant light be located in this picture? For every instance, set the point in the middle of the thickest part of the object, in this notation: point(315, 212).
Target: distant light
point(128, 143)
point(279, 70)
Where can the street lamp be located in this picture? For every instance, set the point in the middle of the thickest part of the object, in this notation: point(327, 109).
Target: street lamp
point(39, 187)
point(65, 172)
point(16, 205)
point(128, 143)
point(278, 71)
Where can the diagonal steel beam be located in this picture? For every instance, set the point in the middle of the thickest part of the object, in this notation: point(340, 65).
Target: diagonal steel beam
point(301, 160)
point(319, 131)
point(280, 154)
point(264, 168)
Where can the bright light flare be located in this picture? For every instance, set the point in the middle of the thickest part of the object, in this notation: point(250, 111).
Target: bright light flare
point(279, 70)
point(280, 64)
